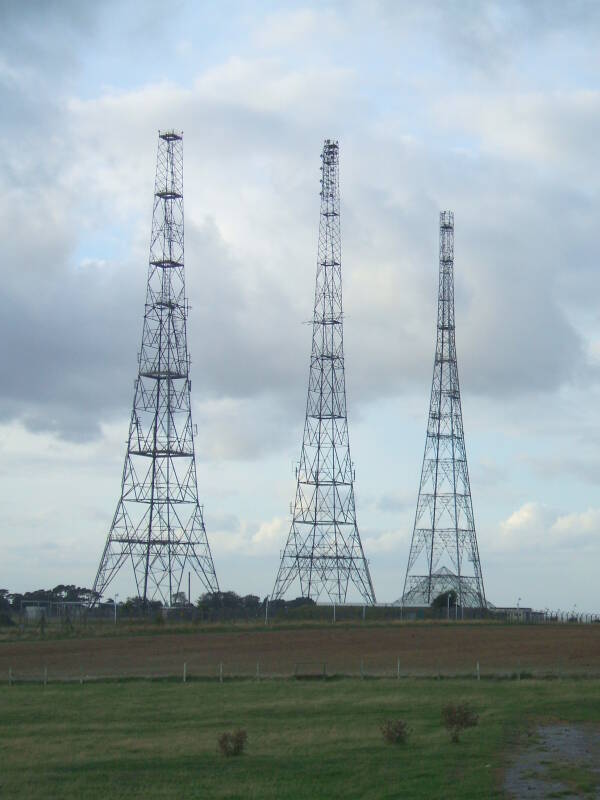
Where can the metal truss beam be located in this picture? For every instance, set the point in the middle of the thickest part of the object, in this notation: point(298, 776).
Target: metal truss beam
point(444, 553)
point(323, 550)
point(158, 526)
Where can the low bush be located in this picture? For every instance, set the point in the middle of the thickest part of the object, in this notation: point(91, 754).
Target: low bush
point(457, 718)
point(395, 731)
point(232, 743)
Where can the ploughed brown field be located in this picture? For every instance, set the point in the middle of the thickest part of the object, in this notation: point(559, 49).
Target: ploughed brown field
point(417, 649)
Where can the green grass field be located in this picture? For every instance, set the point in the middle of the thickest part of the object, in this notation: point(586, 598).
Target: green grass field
point(306, 739)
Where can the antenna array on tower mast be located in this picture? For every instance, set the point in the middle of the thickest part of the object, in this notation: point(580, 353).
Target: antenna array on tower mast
point(158, 527)
point(323, 549)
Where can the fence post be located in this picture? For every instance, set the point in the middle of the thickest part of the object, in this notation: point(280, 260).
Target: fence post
point(221, 672)
point(184, 671)
point(10, 680)
point(364, 613)
point(478, 672)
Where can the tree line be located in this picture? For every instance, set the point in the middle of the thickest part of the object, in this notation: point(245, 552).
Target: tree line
point(211, 604)
point(63, 593)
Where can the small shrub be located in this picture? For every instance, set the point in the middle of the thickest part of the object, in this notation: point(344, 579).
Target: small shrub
point(457, 718)
point(232, 743)
point(395, 731)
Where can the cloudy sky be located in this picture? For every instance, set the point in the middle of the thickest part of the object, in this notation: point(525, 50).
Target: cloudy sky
point(491, 109)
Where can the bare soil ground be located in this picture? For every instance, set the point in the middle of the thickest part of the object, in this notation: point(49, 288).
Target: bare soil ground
point(444, 649)
point(562, 761)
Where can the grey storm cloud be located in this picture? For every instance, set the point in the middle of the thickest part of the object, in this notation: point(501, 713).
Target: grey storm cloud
point(45, 36)
point(72, 323)
point(490, 109)
point(488, 35)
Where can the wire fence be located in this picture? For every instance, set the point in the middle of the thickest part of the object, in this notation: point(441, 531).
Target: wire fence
point(338, 642)
point(79, 614)
point(367, 668)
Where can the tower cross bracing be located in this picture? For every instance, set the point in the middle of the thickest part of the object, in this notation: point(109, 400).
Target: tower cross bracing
point(323, 552)
point(158, 526)
point(444, 555)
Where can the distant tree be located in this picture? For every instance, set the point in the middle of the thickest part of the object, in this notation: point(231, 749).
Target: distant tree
point(40, 596)
point(16, 601)
point(73, 594)
point(251, 603)
point(229, 605)
point(179, 599)
point(135, 605)
point(229, 600)
point(88, 596)
point(4, 600)
point(63, 593)
point(300, 601)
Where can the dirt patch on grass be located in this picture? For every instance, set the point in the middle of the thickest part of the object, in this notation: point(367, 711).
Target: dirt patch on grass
point(561, 761)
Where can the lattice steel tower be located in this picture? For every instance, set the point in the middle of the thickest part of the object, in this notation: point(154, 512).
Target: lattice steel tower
point(443, 553)
point(323, 549)
point(158, 525)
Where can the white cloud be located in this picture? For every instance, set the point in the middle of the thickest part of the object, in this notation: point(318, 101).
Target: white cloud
point(271, 535)
point(537, 527)
point(547, 130)
point(285, 29)
point(251, 212)
point(386, 542)
point(249, 539)
point(577, 526)
point(463, 114)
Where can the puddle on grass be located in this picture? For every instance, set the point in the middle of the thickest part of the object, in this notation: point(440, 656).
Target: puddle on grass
point(561, 761)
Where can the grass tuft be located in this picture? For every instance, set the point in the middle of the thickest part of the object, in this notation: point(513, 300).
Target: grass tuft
point(232, 743)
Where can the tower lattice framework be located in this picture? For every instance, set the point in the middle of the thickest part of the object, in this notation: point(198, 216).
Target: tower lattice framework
point(444, 555)
point(158, 526)
point(323, 549)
